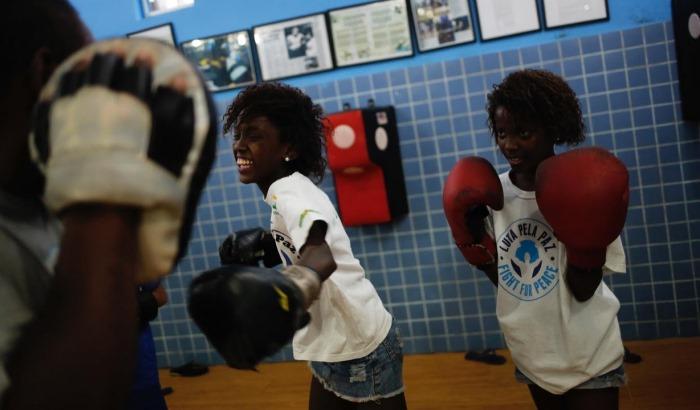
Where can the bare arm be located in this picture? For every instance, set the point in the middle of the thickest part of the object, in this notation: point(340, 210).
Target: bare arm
point(80, 351)
point(316, 254)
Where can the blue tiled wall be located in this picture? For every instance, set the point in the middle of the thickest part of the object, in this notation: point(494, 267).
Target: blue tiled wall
point(628, 87)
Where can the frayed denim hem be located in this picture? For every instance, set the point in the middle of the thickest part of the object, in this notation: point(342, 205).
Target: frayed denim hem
point(374, 398)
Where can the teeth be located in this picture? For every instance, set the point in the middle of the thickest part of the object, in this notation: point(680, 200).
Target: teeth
point(244, 162)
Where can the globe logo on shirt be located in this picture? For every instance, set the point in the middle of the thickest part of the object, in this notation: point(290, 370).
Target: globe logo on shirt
point(528, 260)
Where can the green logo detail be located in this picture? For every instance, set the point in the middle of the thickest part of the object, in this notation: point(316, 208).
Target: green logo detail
point(303, 215)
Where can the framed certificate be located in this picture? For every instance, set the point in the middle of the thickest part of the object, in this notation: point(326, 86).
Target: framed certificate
point(225, 60)
point(370, 32)
point(162, 33)
point(502, 18)
point(293, 47)
point(558, 13)
point(442, 23)
point(155, 7)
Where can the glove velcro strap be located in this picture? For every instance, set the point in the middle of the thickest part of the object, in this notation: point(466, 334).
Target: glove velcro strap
point(307, 280)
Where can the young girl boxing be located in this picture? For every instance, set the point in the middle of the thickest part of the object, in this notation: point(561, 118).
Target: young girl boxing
point(545, 232)
point(351, 342)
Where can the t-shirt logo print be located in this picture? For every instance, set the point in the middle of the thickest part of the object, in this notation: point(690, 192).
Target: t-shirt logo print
point(527, 260)
point(287, 252)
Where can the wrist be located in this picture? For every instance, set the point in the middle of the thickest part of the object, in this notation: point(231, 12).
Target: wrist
point(307, 280)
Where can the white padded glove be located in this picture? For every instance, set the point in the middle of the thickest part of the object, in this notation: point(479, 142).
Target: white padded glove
point(112, 127)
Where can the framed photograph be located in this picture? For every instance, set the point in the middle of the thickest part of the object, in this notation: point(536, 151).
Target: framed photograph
point(293, 47)
point(442, 23)
point(225, 60)
point(558, 13)
point(370, 32)
point(502, 18)
point(162, 33)
point(155, 7)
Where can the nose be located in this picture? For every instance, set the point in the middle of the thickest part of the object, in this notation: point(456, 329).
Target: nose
point(238, 145)
point(509, 142)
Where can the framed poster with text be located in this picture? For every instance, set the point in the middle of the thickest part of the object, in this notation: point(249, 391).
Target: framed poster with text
point(155, 7)
point(558, 13)
point(442, 23)
point(162, 33)
point(502, 18)
point(293, 47)
point(370, 32)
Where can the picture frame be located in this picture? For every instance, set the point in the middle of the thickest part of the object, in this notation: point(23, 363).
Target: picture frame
point(156, 7)
point(370, 32)
point(225, 60)
point(571, 12)
point(293, 47)
point(163, 32)
point(505, 18)
point(442, 23)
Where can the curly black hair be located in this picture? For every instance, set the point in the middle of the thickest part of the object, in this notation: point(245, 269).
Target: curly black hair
point(543, 99)
point(299, 121)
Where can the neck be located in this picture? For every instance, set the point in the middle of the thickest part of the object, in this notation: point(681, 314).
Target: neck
point(265, 186)
point(523, 180)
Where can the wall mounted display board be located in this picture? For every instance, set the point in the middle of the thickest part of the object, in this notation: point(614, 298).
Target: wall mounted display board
point(502, 18)
point(558, 13)
point(370, 32)
point(155, 7)
point(293, 47)
point(225, 60)
point(162, 33)
point(442, 23)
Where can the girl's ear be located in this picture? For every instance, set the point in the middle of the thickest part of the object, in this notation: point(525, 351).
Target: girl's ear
point(291, 153)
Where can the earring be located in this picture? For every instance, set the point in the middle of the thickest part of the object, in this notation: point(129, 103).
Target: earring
point(287, 159)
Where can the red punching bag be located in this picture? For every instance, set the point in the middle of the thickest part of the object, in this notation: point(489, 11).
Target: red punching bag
point(364, 156)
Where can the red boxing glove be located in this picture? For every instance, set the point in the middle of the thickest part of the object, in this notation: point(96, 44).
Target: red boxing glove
point(470, 187)
point(583, 194)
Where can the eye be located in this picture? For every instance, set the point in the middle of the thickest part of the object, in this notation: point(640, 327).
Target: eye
point(500, 133)
point(525, 134)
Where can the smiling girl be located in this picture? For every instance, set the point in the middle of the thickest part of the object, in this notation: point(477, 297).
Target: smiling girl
point(351, 343)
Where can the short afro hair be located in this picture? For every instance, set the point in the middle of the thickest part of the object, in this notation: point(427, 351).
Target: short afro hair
point(542, 98)
point(299, 121)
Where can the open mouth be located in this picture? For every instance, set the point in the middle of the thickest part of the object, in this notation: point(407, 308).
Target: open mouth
point(515, 160)
point(244, 164)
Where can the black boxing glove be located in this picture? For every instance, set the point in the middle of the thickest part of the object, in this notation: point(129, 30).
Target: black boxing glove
point(249, 247)
point(249, 313)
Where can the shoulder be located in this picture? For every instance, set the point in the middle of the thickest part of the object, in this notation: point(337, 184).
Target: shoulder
point(295, 186)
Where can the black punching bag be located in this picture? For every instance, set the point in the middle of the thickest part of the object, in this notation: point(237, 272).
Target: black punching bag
point(686, 28)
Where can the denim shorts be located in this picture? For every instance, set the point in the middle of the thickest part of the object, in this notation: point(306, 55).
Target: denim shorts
point(614, 378)
point(378, 375)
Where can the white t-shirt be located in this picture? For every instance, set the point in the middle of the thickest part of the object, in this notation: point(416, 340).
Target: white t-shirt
point(555, 340)
point(348, 321)
point(29, 245)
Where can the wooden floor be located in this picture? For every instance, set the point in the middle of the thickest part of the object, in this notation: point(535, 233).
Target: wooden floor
point(667, 379)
